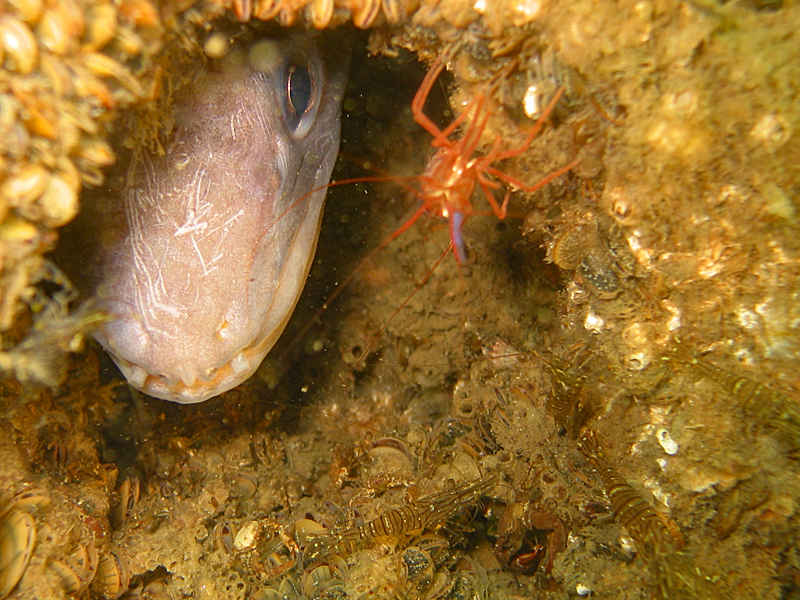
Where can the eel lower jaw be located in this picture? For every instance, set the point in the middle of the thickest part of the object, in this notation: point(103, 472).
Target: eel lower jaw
point(189, 387)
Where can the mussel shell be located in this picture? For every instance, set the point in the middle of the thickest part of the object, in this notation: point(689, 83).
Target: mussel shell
point(17, 538)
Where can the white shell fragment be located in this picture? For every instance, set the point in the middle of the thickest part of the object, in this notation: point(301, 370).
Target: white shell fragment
point(246, 538)
point(669, 445)
point(531, 101)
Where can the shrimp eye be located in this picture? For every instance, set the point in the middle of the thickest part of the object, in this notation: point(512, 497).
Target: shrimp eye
point(301, 97)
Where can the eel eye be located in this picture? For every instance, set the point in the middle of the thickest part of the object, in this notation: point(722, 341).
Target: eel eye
point(301, 97)
point(299, 90)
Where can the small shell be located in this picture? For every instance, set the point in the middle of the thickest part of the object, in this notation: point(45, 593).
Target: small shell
point(97, 152)
point(289, 589)
point(244, 486)
point(389, 459)
point(28, 10)
point(243, 10)
point(105, 66)
point(128, 41)
point(305, 529)
point(22, 51)
point(570, 247)
point(69, 134)
point(669, 445)
point(52, 33)
point(77, 571)
point(463, 586)
point(439, 588)
point(224, 535)
point(396, 11)
point(17, 537)
point(9, 108)
point(128, 499)
point(141, 13)
point(25, 185)
point(316, 579)
point(101, 26)
point(88, 86)
point(320, 12)
point(364, 12)
point(16, 231)
point(56, 72)
point(268, 593)
point(286, 16)
point(59, 202)
point(435, 545)
point(41, 121)
point(69, 172)
point(87, 558)
point(112, 577)
point(418, 566)
point(69, 575)
point(391, 442)
point(247, 537)
point(265, 10)
point(32, 501)
point(15, 142)
point(598, 270)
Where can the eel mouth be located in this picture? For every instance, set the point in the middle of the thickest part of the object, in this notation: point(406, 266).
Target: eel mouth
point(189, 387)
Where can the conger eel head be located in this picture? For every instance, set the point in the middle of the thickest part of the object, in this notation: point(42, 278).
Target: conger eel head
point(212, 238)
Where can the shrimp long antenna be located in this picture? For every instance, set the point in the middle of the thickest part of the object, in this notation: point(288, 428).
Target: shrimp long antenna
point(399, 308)
point(346, 281)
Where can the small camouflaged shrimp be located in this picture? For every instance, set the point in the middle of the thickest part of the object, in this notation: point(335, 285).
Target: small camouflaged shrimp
point(429, 512)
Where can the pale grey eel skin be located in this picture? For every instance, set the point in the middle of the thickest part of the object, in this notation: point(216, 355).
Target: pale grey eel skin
point(215, 237)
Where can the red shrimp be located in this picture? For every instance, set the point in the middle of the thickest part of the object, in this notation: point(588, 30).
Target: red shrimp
point(447, 185)
point(448, 182)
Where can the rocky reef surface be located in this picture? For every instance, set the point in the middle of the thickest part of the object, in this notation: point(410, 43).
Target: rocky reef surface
point(621, 350)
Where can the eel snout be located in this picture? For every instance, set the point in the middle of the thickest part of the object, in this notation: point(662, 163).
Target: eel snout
point(214, 237)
